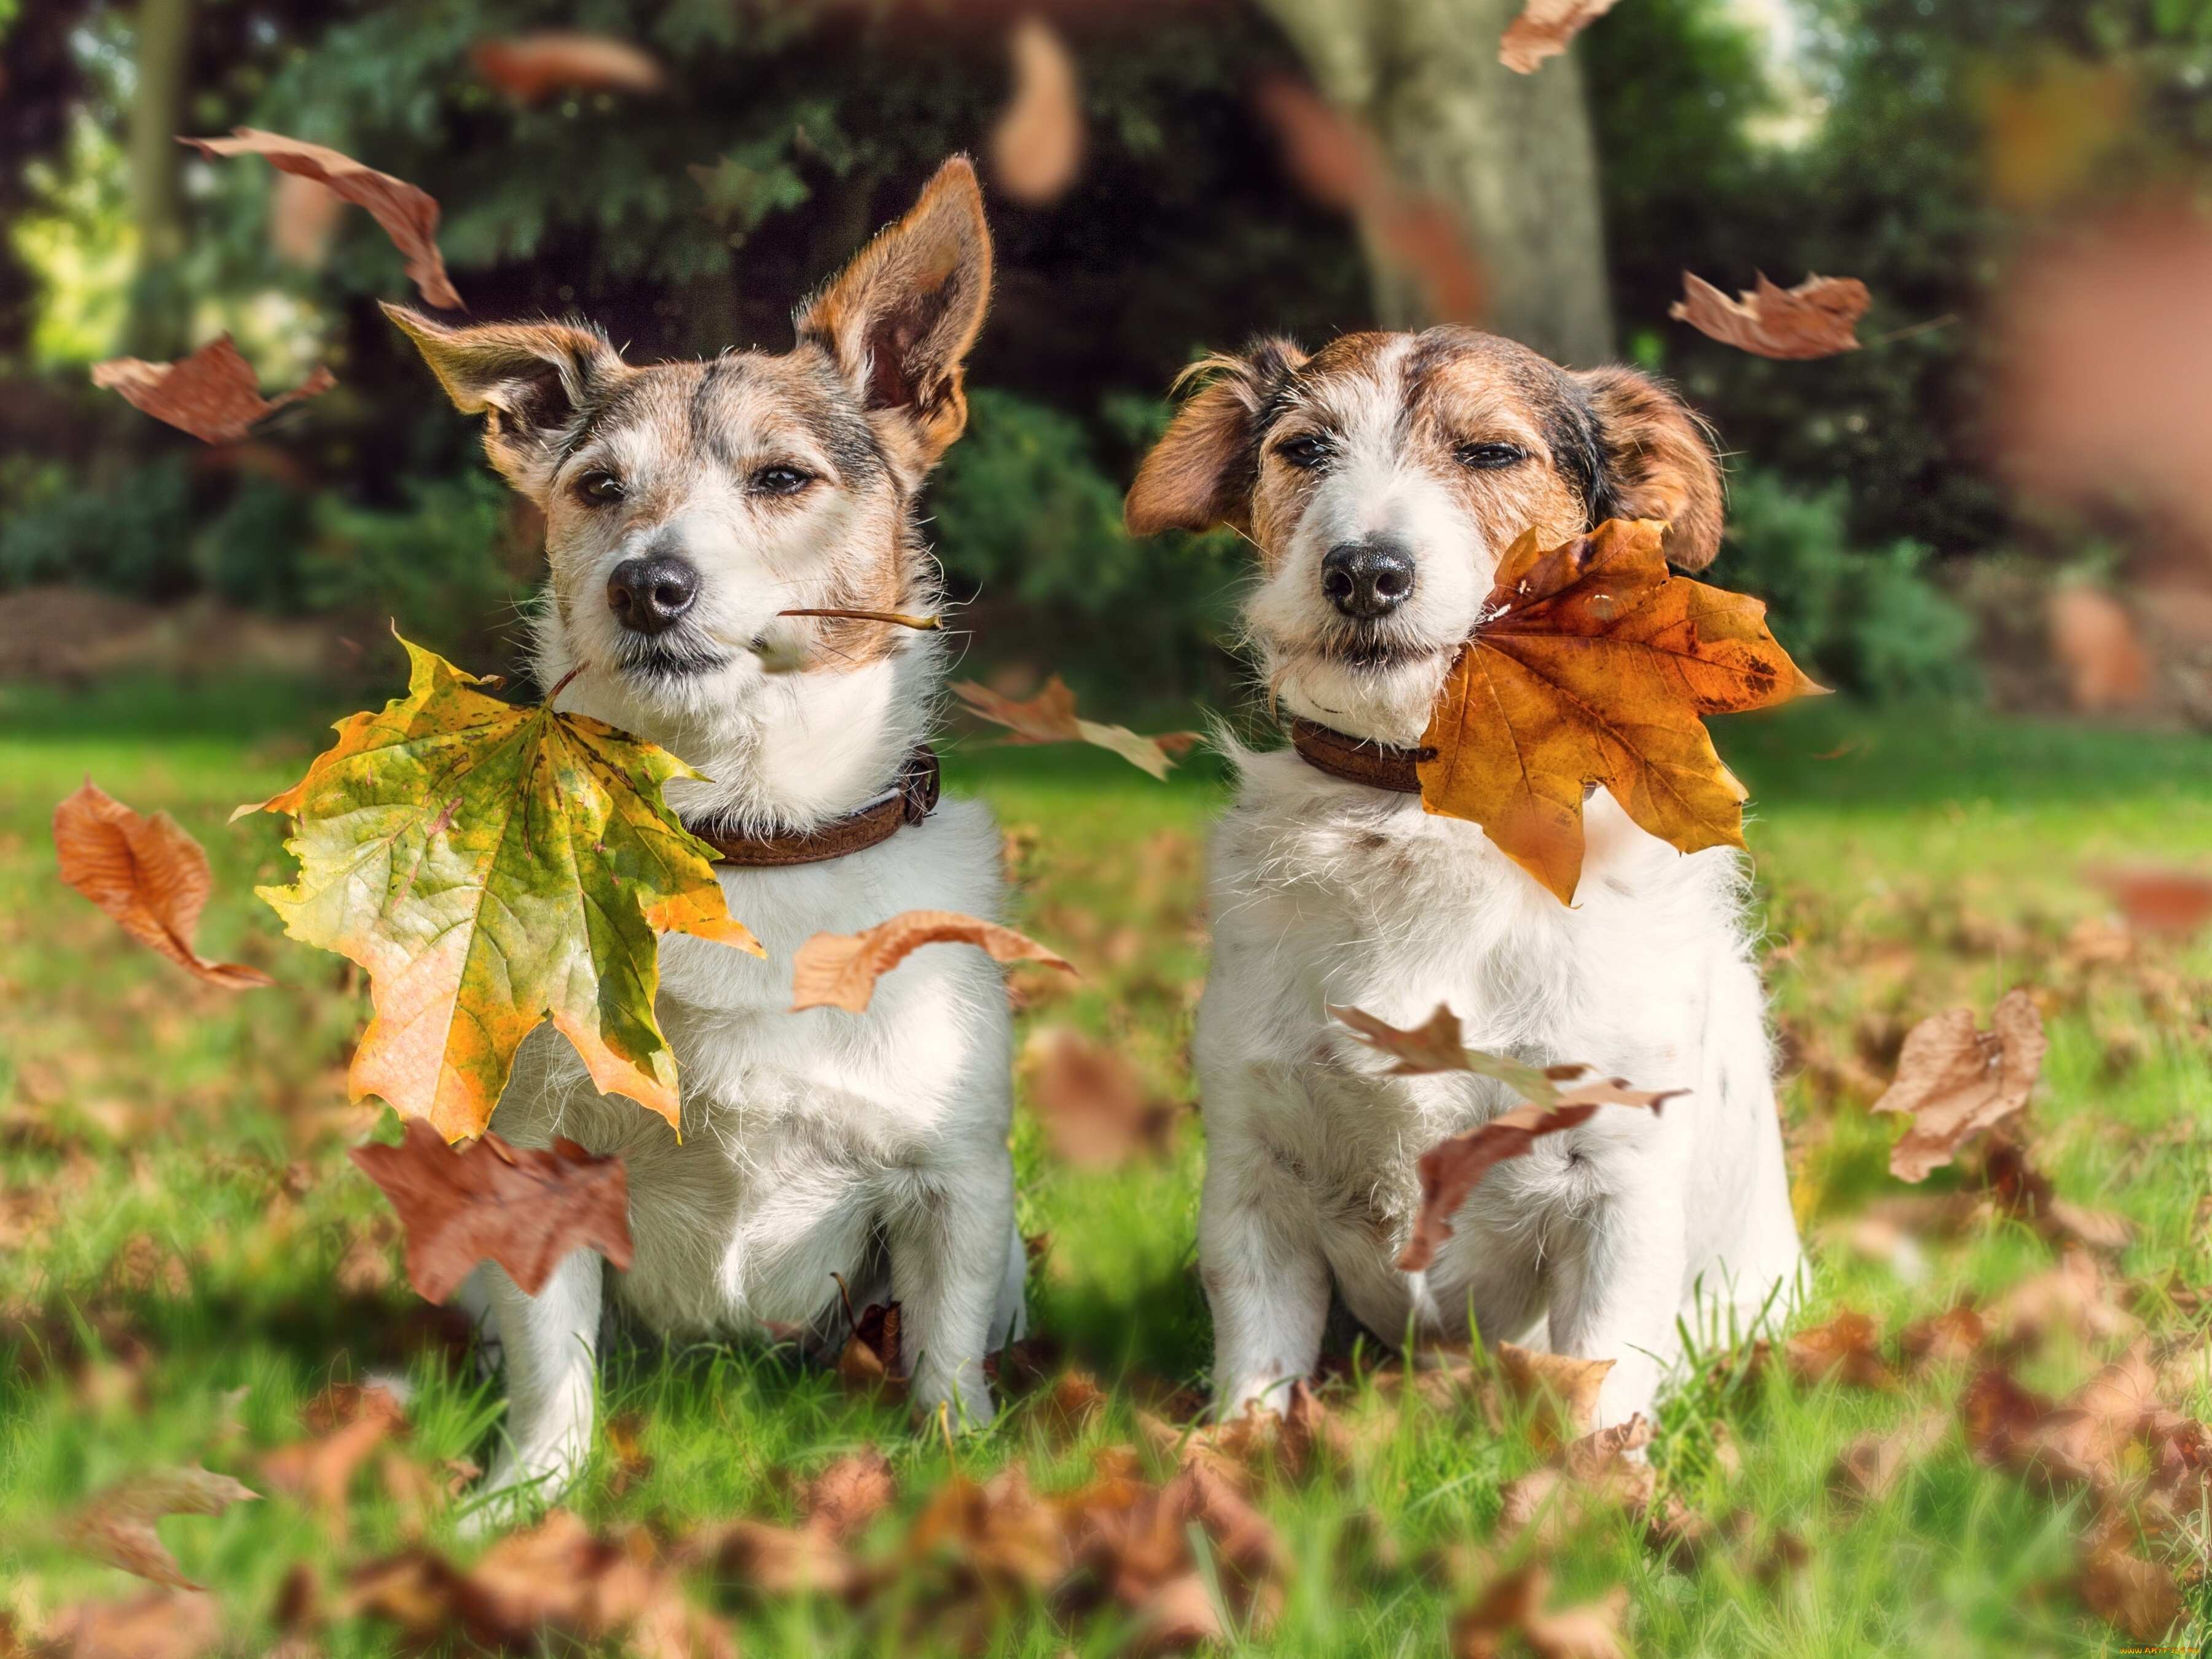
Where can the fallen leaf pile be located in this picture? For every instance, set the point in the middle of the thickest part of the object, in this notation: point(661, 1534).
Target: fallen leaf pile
point(1452, 1170)
point(524, 1209)
point(1050, 717)
point(148, 873)
point(1816, 319)
point(213, 394)
point(840, 970)
point(1596, 666)
point(408, 215)
point(492, 865)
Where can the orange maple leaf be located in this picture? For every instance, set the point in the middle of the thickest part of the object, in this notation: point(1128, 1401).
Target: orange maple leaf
point(1595, 667)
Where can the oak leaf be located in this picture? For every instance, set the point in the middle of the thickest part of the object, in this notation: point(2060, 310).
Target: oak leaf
point(1595, 667)
point(409, 215)
point(525, 1209)
point(148, 873)
point(213, 394)
point(532, 66)
point(1037, 149)
point(840, 970)
point(492, 865)
point(1954, 1081)
point(1816, 319)
point(1050, 717)
point(1453, 1169)
point(1544, 29)
point(116, 1526)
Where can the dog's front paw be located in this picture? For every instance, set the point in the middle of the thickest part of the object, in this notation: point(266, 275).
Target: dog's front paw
point(518, 1489)
point(963, 1398)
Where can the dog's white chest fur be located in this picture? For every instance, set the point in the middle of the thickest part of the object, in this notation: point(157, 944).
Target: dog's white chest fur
point(1328, 892)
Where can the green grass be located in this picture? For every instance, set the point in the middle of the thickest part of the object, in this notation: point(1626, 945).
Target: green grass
point(178, 1219)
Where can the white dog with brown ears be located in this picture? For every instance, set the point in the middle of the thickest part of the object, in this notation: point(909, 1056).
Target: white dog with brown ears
point(1381, 479)
point(689, 507)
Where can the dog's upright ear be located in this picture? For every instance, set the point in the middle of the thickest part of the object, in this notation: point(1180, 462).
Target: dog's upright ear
point(1205, 467)
point(900, 317)
point(1657, 463)
point(533, 380)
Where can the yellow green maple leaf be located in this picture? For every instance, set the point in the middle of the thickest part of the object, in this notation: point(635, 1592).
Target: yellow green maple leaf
point(492, 865)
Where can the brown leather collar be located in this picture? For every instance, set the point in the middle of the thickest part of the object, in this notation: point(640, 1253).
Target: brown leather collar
point(911, 800)
point(1359, 760)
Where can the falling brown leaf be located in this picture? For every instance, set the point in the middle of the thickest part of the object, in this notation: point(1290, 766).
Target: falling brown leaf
point(1050, 717)
point(1436, 1046)
point(212, 394)
point(1544, 29)
point(409, 215)
point(1096, 1110)
point(1037, 149)
point(116, 1526)
point(303, 216)
point(841, 1501)
point(2174, 903)
point(2094, 638)
point(1339, 164)
point(1954, 1082)
point(1816, 319)
point(526, 1209)
point(148, 874)
point(158, 1624)
point(1847, 1350)
point(534, 66)
point(840, 970)
point(1562, 1383)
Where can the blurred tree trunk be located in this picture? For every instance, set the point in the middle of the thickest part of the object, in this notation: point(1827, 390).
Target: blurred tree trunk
point(1512, 155)
point(158, 319)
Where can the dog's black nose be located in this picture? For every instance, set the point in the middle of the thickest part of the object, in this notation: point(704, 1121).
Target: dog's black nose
point(1369, 578)
point(649, 592)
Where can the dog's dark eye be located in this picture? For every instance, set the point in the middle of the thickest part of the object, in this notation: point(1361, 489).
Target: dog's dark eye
point(598, 488)
point(1490, 458)
point(1305, 452)
point(780, 480)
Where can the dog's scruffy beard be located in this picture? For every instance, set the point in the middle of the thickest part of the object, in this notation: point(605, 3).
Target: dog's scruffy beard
point(1362, 684)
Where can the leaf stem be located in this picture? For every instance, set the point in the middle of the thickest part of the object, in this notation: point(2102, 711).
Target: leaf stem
point(562, 684)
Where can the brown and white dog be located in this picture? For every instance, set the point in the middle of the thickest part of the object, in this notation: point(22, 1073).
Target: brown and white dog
point(687, 505)
point(1380, 480)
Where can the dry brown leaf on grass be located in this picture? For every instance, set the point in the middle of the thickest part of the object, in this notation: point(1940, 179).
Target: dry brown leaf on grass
point(213, 394)
point(1596, 664)
point(524, 1209)
point(535, 66)
point(841, 1501)
point(1516, 1604)
point(2075, 1296)
point(840, 970)
point(1954, 1081)
point(1847, 1349)
point(1096, 1112)
point(1560, 1382)
point(1050, 717)
point(2015, 1189)
point(347, 1423)
point(1816, 319)
point(116, 1526)
point(158, 1624)
point(2141, 1597)
point(870, 1359)
point(1870, 1468)
point(2174, 903)
point(408, 215)
point(1037, 149)
point(1544, 29)
point(147, 874)
point(1948, 1338)
point(1339, 164)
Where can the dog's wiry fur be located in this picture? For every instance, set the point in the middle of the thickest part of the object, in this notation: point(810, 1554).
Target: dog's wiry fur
point(1448, 445)
point(870, 1146)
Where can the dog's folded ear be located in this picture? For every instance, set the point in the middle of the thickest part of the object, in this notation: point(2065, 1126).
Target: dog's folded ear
point(534, 381)
point(900, 317)
point(1203, 470)
point(1657, 463)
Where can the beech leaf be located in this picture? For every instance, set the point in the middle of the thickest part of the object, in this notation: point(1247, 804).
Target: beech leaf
point(1050, 717)
point(1595, 667)
point(148, 873)
point(213, 394)
point(1816, 319)
point(1954, 1081)
point(525, 1209)
point(117, 1526)
point(534, 66)
point(492, 865)
point(1037, 149)
point(409, 215)
point(1544, 29)
point(840, 970)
